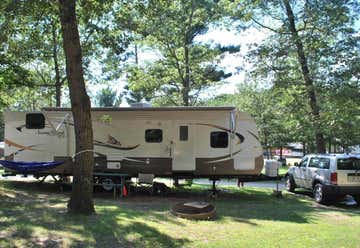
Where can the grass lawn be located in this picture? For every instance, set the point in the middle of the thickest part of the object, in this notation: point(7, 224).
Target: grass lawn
point(282, 170)
point(32, 216)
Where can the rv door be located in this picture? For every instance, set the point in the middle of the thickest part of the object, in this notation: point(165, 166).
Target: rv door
point(183, 144)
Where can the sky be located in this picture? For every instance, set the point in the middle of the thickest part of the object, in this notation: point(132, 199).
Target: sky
point(229, 63)
point(233, 61)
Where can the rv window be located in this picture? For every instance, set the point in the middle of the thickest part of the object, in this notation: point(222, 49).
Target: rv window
point(219, 139)
point(35, 121)
point(183, 133)
point(153, 135)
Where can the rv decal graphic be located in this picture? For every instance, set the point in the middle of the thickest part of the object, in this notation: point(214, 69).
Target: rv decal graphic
point(115, 146)
point(23, 148)
point(19, 128)
point(254, 135)
point(113, 141)
point(240, 137)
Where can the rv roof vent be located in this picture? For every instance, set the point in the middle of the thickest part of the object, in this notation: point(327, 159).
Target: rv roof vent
point(140, 105)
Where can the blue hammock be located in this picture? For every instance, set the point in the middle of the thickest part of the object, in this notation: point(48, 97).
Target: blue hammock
point(29, 167)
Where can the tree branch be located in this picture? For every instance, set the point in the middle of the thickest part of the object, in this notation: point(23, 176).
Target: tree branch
point(271, 29)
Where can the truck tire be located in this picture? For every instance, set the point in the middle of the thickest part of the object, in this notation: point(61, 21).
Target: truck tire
point(289, 183)
point(319, 194)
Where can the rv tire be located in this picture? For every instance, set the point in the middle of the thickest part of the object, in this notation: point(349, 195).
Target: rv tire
point(107, 183)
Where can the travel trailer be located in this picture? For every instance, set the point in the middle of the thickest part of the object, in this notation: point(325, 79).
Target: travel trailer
point(176, 142)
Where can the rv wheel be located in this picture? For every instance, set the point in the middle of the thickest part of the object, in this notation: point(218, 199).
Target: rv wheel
point(107, 184)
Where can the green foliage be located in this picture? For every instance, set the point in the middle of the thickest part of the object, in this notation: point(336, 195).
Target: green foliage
point(108, 98)
point(106, 119)
point(135, 96)
point(326, 31)
point(185, 67)
point(31, 50)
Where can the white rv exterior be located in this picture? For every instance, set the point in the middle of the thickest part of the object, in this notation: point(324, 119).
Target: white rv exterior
point(166, 142)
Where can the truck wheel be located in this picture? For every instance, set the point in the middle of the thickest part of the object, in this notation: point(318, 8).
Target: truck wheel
point(289, 183)
point(319, 194)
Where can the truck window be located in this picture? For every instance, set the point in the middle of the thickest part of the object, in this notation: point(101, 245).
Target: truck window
point(348, 164)
point(219, 139)
point(324, 163)
point(314, 162)
point(304, 162)
point(321, 163)
point(153, 135)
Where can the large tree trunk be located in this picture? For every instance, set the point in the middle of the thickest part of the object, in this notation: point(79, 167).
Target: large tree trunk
point(315, 112)
point(58, 83)
point(187, 41)
point(81, 198)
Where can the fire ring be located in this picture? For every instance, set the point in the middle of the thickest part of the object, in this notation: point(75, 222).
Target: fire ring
point(194, 210)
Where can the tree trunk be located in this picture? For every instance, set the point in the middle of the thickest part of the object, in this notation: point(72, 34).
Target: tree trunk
point(267, 146)
point(58, 83)
point(136, 55)
point(186, 89)
point(81, 197)
point(315, 112)
point(187, 42)
point(304, 148)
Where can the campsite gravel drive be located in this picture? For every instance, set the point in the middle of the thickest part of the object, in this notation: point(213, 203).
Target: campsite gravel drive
point(224, 182)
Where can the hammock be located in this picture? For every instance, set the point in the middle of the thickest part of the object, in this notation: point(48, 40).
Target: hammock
point(29, 167)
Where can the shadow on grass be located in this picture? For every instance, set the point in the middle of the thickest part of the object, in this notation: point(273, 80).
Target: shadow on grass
point(32, 217)
point(249, 204)
point(37, 215)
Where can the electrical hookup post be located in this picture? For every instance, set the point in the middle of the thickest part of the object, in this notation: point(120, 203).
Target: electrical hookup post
point(277, 192)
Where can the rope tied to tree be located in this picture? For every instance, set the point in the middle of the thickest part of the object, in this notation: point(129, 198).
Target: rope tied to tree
point(78, 153)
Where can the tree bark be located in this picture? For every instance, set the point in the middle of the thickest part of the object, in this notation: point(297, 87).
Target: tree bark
point(186, 89)
point(304, 148)
point(136, 55)
point(315, 112)
point(81, 197)
point(187, 41)
point(58, 83)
